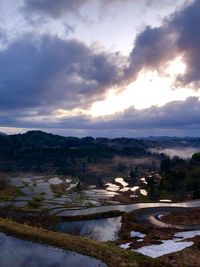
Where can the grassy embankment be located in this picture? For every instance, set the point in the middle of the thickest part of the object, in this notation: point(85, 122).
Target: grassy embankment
point(107, 252)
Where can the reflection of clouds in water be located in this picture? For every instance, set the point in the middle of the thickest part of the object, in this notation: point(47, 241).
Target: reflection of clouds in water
point(101, 230)
point(20, 253)
point(105, 229)
point(99, 193)
point(184, 153)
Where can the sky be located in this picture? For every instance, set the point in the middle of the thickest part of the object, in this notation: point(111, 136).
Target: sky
point(109, 68)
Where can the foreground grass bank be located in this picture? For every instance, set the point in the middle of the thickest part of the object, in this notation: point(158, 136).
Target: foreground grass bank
point(107, 252)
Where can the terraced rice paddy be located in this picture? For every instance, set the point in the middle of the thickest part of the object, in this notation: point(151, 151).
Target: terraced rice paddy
point(54, 193)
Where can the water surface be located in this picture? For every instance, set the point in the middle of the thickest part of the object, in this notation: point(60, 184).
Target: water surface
point(101, 229)
point(21, 253)
point(125, 208)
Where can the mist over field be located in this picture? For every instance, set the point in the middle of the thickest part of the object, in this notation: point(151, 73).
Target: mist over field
point(184, 153)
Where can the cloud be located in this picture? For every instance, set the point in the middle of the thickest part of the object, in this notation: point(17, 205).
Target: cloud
point(43, 73)
point(54, 8)
point(154, 47)
point(60, 8)
point(46, 72)
point(3, 37)
point(178, 35)
point(167, 120)
point(168, 116)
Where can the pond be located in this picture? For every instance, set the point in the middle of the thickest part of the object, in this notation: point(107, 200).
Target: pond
point(101, 229)
point(21, 253)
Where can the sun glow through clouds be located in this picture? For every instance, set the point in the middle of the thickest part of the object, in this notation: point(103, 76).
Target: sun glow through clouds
point(176, 67)
point(150, 88)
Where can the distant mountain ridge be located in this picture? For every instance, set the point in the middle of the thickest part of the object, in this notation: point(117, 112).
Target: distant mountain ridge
point(41, 139)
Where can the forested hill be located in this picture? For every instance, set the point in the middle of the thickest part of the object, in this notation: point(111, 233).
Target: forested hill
point(34, 139)
point(37, 150)
point(40, 150)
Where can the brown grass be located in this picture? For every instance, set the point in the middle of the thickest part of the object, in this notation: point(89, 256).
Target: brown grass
point(188, 216)
point(188, 257)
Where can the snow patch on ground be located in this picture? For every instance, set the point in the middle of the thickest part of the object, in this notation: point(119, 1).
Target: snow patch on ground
point(187, 234)
point(125, 246)
point(137, 234)
point(140, 240)
point(168, 246)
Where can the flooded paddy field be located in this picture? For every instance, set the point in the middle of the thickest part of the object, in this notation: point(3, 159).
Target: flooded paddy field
point(20, 253)
point(100, 230)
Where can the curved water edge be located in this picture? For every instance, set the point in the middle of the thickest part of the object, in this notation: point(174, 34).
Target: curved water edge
point(153, 215)
point(20, 253)
point(123, 208)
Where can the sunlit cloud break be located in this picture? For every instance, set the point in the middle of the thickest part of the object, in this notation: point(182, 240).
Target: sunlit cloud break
point(53, 80)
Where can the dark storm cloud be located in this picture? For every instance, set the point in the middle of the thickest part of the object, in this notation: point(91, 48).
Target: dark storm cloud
point(179, 35)
point(49, 73)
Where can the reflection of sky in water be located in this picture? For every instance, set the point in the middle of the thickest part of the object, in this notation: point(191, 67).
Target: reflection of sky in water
point(55, 181)
point(20, 253)
point(16, 182)
point(35, 190)
point(99, 193)
point(121, 181)
point(112, 187)
point(102, 229)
